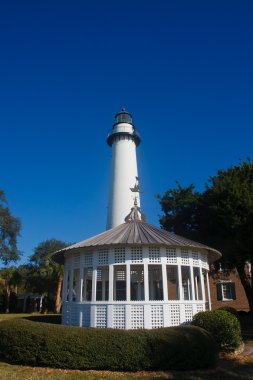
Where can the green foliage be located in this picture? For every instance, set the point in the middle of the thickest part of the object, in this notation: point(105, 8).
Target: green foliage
point(9, 231)
point(221, 216)
point(231, 310)
point(57, 346)
point(223, 326)
point(45, 274)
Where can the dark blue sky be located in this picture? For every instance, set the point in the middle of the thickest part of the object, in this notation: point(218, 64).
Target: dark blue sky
point(184, 69)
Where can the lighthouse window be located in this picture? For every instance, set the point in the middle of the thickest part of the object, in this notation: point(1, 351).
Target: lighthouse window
point(137, 282)
point(172, 281)
point(155, 283)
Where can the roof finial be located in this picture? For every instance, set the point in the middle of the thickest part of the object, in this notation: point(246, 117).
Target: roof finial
point(135, 213)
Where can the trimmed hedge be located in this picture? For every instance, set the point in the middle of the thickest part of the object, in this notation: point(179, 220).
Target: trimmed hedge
point(223, 326)
point(57, 346)
point(231, 310)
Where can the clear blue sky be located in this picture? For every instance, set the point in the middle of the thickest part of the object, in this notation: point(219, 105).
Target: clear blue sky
point(184, 69)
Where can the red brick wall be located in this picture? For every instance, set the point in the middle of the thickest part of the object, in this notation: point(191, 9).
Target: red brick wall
point(240, 303)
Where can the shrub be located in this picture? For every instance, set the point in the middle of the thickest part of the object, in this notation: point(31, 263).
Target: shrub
point(26, 342)
point(230, 310)
point(223, 326)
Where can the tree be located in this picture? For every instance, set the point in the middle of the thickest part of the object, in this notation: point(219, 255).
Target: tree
point(10, 279)
point(9, 231)
point(46, 276)
point(221, 216)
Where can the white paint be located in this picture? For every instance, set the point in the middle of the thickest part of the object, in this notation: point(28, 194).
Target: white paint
point(122, 176)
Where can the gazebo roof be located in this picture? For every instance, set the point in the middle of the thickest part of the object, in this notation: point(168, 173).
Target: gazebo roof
point(136, 232)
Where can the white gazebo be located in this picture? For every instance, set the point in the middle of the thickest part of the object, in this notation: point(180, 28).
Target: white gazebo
point(135, 276)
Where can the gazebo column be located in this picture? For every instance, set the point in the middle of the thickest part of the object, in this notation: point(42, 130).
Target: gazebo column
point(165, 283)
point(71, 278)
point(93, 297)
point(80, 295)
point(193, 295)
point(208, 290)
point(103, 279)
point(128, 297)
point(181, 296)
point(110, 297)
point(202, 284)
point(147, 308)
point(65, 284)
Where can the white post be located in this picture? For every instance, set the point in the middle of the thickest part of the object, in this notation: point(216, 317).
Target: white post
point(94, 284)
point(111, 282)
point(128, 280)
point(180, 288)
point(71, 278)
point(65, 285)
point(202, 284)
point(80, 290)
point(208, 290)
point(146, 282)
point(193, 297)
point(165, 283)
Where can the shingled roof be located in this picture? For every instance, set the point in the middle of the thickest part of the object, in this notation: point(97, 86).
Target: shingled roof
point(136, 232)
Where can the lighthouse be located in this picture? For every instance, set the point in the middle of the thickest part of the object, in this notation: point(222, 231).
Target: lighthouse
point(124, 183)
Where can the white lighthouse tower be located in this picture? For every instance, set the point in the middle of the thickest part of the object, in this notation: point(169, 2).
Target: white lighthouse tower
point(123, 139)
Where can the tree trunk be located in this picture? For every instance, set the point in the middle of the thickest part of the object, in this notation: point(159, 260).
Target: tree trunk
point(58, 295)
point(247, 285)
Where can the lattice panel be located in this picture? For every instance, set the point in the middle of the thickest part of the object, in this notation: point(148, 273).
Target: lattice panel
point(188, 313)
point(101, 318)
point(87, 260)
point(171, 256)
point(175, 315)
point(74, 316)
point(119, 255)
point(103, 256)
point(185, 257)
point(137, 317)
point(99, 274)
point(199, 308)
point(154, 255)
point(195, 258)
point(76, 261)
point(119, 317)
point(136, 255)
point(86, 316)
point(156, 316)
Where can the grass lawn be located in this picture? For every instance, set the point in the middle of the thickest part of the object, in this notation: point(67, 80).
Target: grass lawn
point(230, 367)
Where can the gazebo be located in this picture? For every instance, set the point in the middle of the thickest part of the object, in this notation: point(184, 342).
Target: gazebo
point(135, 276)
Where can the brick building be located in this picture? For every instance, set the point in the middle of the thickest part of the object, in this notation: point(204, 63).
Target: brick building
point(226, 290)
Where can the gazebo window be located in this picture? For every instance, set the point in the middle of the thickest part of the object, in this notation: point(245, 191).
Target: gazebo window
point(87, 284)
point(155, 283)
point(197, 284)
point(137, 282)
point(119, 288)
point(172, 281)
point(76, 277)
point(186, 283)
point(102, 283)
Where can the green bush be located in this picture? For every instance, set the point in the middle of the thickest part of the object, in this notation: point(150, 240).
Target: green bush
point(230, 310)
point(223, 326)
point(30, 343)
